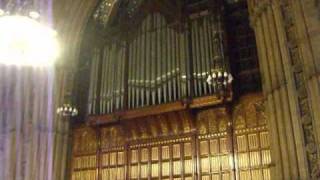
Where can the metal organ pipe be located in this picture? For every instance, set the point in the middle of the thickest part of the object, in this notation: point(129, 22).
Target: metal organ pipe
point(153, 65)
point(159, 57)
point(142, 62)
point(195, 59)
point(208, 59)
point(204, 58)
point(93, 81)
point(163, 64)
point(148, 60)
point(95, 86)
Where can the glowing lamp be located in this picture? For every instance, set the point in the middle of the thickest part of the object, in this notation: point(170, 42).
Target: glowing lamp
point(25, 41)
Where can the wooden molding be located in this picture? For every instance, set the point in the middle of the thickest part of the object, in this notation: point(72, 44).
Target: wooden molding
point(157, 109)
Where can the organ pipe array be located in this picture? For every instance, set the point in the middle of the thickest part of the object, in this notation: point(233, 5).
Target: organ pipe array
point(164, 63)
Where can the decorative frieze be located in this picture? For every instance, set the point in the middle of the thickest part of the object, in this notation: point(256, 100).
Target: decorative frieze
point(305, 113)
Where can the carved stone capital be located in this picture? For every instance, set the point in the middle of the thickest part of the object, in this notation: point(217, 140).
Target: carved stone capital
point(261, 8)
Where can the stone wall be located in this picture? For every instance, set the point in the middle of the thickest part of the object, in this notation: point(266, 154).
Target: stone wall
point(286, 33)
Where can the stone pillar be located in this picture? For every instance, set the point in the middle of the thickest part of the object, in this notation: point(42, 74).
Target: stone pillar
point(285, 65)
point(64, 82)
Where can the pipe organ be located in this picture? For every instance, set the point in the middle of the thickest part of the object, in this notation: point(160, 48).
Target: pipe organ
point(157, 103)
point(178, 145)
point(165, 62)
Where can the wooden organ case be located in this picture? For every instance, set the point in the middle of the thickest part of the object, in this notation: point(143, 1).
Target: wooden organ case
point(209, 144)
point(152, 114)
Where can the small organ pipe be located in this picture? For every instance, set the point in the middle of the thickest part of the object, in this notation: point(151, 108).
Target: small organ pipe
point(164, 61)
point(178, 64)
point(148, 59)
point(175, 67)
point(207, 50)
point(122, 80)
point(203, 57)
point(135, 78)
point(92, 80)
point(183, 67)
point(187, 60)
point(194, 70)
point(113, 57)
point(103, 83)
point(169, 60)
point(130, 69)
point(138, 70)
point(142, 63)
point(196, 58)
point(96, 81)
point(153, 65)
point(159, 58)
point(118, 77)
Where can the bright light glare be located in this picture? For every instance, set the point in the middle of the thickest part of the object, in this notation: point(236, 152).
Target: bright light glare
point(24, 41)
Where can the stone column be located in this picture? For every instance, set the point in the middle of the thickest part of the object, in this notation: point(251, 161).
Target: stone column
point(61, 133)
point(308, 17)
point(284, 64)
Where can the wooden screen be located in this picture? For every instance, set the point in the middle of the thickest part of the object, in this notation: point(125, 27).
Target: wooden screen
point(84, 162)
point(113, 164)
point(253, 153)
point(215, 157)
point(168, 159)
point(218, 147)
point(210, 156)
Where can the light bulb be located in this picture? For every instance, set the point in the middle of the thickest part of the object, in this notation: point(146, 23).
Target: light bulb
point(219, 74)
point(225, 74)
point(26, 42)
point(34, 15)
point(214, 75)
point(225, 83)
point(230, 78)
point(209, 79)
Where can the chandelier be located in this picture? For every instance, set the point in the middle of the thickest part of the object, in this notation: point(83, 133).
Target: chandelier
point(24, 39)
point(67, 110)
point(220, 79)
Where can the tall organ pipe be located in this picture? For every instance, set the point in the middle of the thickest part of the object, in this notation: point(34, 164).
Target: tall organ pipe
point(153, 65)
point(159, 58)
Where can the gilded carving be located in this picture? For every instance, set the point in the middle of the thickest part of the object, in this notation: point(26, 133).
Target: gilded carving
point(85, 141)
point(112, 137)
point(249, 112)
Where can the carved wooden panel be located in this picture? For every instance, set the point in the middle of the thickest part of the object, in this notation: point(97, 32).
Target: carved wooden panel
point(252, 153)
point(164, 159)
point(84, 162)
point(215, 156)
point(163, 147)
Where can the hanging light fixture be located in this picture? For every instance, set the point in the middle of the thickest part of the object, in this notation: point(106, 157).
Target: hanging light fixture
point(67, 110)
point(24, 40)
point(220, 79)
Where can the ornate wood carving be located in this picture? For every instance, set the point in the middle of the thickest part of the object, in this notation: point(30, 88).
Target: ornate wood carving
point(170, 146)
